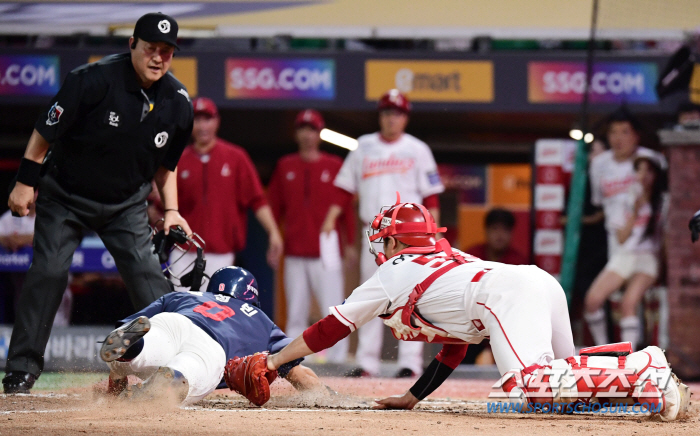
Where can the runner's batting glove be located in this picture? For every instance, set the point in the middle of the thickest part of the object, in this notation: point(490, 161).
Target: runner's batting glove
point(694, 226)
point(250, 377)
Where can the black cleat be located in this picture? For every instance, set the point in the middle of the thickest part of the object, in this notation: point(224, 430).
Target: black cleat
point(18, 382)
point(405, 373)
point(357, 372)
point(117, 342)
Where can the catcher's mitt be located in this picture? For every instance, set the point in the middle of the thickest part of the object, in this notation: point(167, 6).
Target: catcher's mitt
point(250, 377)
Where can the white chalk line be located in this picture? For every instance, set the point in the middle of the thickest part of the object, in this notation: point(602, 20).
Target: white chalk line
point(12, 412)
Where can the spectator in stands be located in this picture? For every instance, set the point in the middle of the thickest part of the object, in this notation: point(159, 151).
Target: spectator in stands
point(217, 184)
point(612, 175)
point(301, 191)
point(688, 115)
point(499, 225)
point(15, 234)
point(636, 262)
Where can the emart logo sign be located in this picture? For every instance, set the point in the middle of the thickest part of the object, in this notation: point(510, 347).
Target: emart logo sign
point(447, 81)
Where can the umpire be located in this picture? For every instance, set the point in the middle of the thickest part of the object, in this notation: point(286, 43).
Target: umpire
point(115, 125)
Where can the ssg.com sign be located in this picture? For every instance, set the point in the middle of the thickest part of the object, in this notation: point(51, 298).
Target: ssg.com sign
point(280, 79)
point(29, 75)
point(611, 82)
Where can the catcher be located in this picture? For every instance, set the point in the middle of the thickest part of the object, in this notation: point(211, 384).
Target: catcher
point(181, 342)
point(427, 291)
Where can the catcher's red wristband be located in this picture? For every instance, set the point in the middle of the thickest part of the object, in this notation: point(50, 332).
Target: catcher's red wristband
point(325, 333)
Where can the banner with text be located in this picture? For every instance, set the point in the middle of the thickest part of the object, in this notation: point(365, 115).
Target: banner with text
point(431, 81)
point(611, 82)
point(280, 79)
point(29, 75)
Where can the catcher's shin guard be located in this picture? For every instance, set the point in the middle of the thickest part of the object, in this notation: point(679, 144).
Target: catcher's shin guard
point(643, 377)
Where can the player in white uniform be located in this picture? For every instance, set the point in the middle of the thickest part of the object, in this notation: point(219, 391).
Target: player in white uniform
point(386, 162)
point(427, 291)
point(611, 177)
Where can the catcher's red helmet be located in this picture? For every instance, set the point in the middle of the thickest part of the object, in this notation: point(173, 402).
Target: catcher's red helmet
point(410, 223)
point(393, 99)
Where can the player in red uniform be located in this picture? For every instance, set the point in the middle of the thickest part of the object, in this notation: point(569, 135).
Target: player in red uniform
point(301, 191)
point(218, 184)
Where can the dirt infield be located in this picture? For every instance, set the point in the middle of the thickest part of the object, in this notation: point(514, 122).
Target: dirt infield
point(457, 408)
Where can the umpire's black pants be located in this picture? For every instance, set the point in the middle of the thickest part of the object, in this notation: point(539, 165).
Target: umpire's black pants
point(60, 221)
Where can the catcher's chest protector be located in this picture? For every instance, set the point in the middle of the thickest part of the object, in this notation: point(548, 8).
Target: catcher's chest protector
point(406, 324)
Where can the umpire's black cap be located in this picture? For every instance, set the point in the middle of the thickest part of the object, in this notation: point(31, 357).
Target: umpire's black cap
point(157, 27)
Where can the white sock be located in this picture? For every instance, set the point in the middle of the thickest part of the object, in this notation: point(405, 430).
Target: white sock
point(598, 326)
point(629, 330)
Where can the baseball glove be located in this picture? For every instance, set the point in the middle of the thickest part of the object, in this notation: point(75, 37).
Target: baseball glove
point(250, 377)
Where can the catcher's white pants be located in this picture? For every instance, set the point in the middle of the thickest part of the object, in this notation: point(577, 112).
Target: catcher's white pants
point(215, 262)
point(525, 313)
point(174, 341)
point(303, 275)
point(371, 335)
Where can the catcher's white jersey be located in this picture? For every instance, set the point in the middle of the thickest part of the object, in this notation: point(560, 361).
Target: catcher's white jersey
point(449, 303)
point(611, 181)
point(521, 308)
point(377, 169)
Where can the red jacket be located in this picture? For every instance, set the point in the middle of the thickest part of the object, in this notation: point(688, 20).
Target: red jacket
point(215, 191)
point(511, 256)
point(300, 194)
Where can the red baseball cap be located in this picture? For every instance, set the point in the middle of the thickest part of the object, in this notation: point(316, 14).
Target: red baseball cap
point(393, 99)
point(310, 117)
point(205, 106)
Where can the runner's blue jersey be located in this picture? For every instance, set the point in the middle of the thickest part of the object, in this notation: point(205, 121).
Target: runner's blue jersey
point(239, 327)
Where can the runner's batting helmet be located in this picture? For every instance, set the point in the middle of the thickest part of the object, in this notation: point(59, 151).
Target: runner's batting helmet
point(410, 223)
point(393, 99)
point(236, 282)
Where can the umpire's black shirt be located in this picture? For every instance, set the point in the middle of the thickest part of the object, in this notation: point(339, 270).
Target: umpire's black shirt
point(107, 140)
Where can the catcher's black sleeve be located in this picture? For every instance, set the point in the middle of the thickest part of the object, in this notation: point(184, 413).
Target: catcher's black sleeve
point(435, 374)
point(439, 369)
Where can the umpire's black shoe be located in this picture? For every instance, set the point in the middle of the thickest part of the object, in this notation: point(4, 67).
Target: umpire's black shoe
point(18, 382)
point(117, 342)
point(405, 373)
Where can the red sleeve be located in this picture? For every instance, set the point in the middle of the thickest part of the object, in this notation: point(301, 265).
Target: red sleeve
point(275, 194)
point(249, 187)
point(452, 354)
point(342, 197)
point(325, 333)
point(347, 219)
point(432, 202)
